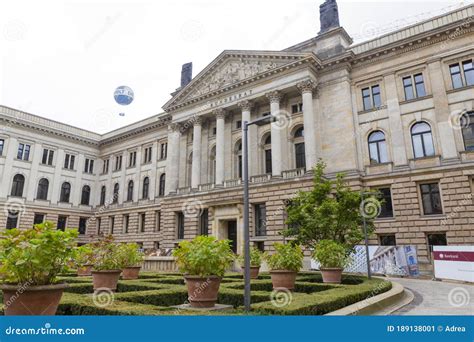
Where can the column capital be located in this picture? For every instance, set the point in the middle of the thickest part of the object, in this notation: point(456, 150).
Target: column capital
point(245, 105)
point(174, 127)
point(274, 96)
point(220, 113)
point(197, 121)
point(306, 86)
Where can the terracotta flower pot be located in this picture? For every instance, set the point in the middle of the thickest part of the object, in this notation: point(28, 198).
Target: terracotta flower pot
point(254, 271)
point(32, 300)
point(283, 279)
point(202, 292)
point(84, 271)
point(106, 279)
point(331, 275)
point(129, 273)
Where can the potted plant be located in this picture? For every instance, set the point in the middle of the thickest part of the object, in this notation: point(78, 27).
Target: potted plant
point(30, 263)
point(107, 264)
point(332, 257)
point(132, 258)
point(83, 260)
point(203, 261)
point(255, 262)
point(284, 264)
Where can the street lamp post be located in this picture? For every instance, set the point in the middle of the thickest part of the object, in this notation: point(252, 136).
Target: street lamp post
point(245, 174)
point(369, 273)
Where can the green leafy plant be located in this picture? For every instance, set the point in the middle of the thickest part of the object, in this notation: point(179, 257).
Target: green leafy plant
point(107, 254)
point(35, 256)
point(331, 210)
point(83, 255)
point(331, 254)
point(130, 254)
point(256, 257)
point(286, 257)
point(204, 256)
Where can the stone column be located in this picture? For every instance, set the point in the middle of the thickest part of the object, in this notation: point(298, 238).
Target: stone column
point(7, 176)
point(196, 167)
point(33, 177)
point(172, 162)
point(307, 87)
point(246, 107)
point(276, 132)
point(220, 141)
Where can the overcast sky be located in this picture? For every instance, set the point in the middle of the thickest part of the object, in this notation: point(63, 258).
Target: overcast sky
point(64, 59)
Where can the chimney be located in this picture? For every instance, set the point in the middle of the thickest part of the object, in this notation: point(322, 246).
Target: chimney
point(328, 16)
point(186, 74)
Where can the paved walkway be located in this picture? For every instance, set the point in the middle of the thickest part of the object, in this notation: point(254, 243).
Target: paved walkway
point(437, 298)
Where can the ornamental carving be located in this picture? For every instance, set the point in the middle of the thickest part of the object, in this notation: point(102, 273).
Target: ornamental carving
point(274, 96)
point(307, 86)
point(245, 105)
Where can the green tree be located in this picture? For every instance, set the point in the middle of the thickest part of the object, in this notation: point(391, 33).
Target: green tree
point(330, 211)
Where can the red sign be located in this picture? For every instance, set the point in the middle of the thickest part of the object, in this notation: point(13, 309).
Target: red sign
point(453, 256)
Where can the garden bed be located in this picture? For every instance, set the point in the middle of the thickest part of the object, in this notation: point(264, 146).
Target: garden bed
point(155, 294)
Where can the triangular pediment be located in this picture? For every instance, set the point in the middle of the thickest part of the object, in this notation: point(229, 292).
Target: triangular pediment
point(230, 69)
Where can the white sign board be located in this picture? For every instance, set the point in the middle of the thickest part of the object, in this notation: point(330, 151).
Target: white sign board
point(454, 262)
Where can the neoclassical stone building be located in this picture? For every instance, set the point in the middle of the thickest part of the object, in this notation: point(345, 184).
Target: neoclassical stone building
point(394, 113)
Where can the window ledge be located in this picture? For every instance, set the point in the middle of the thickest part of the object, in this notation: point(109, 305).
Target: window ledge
point(385, 219)
point(455, 90)
point(375, 109)
point(433, 217)
point(258, 238)
point(421, 98)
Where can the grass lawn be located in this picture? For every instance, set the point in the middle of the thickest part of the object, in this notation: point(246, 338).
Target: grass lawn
point(154, 294)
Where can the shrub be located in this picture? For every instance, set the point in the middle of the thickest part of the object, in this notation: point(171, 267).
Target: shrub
point(130, 254)
point(204, 256)
point(287, 257)
point(83, 255)
point(107, 254)
point(331, 254)
point(255, 258)
point(35, 256)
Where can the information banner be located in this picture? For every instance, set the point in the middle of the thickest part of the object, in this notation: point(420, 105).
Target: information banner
point(454, 262)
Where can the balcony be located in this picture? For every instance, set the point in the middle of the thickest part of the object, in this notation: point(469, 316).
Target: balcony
point(207, 187)
point(232, 183)
point(261, 178)
point(293, 173)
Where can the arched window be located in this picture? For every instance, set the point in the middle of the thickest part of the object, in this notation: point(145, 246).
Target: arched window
point(17, 185)
point(267, 148)
point(146, 187)
point(300, 152)
point(130, 191)
point(161, 191)
point(116, 193)
point(85, 195)
point(102, 195)
point(377, 148)
point(422, 140)
point(65, 192)
point(43, 187)
point(238, 159)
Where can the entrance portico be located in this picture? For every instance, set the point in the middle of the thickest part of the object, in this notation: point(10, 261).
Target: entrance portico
point(227, 223)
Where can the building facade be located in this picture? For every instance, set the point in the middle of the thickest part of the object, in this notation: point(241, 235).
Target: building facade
point(394, 113)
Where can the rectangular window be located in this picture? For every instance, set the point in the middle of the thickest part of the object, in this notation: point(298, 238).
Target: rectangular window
point(386, 209)
point(204, 222)
point(82, 225)
point(214, 130)
point(388, 240)
point(408, 87)
point(99, 223)
point(48, 156)
point(69, 160)
point(376, 96)
point(38, 218)
point(112, 224)
point(268, 161)
point(89, 166)
point(238, 124)
point(431, 199)
point(456, 77)
point(260, 220)
point(366, 99)
point(414, 86)
point(147, 158)
point(12, 219)
point(163, 150)
point(371, 97)
point(118, 163)
point(419, 85)
point(23, 152)
point(142, 222)
point(105, 166)
point(126, 222)
point(468, 72)
point(437, 239)
point(157, 221)
point(296, 108)
point(468, 131)
point(300, 156)
point(132, 159)
point(62, 221)
point(180, 225)
point(2, 145)
point(260, 245)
